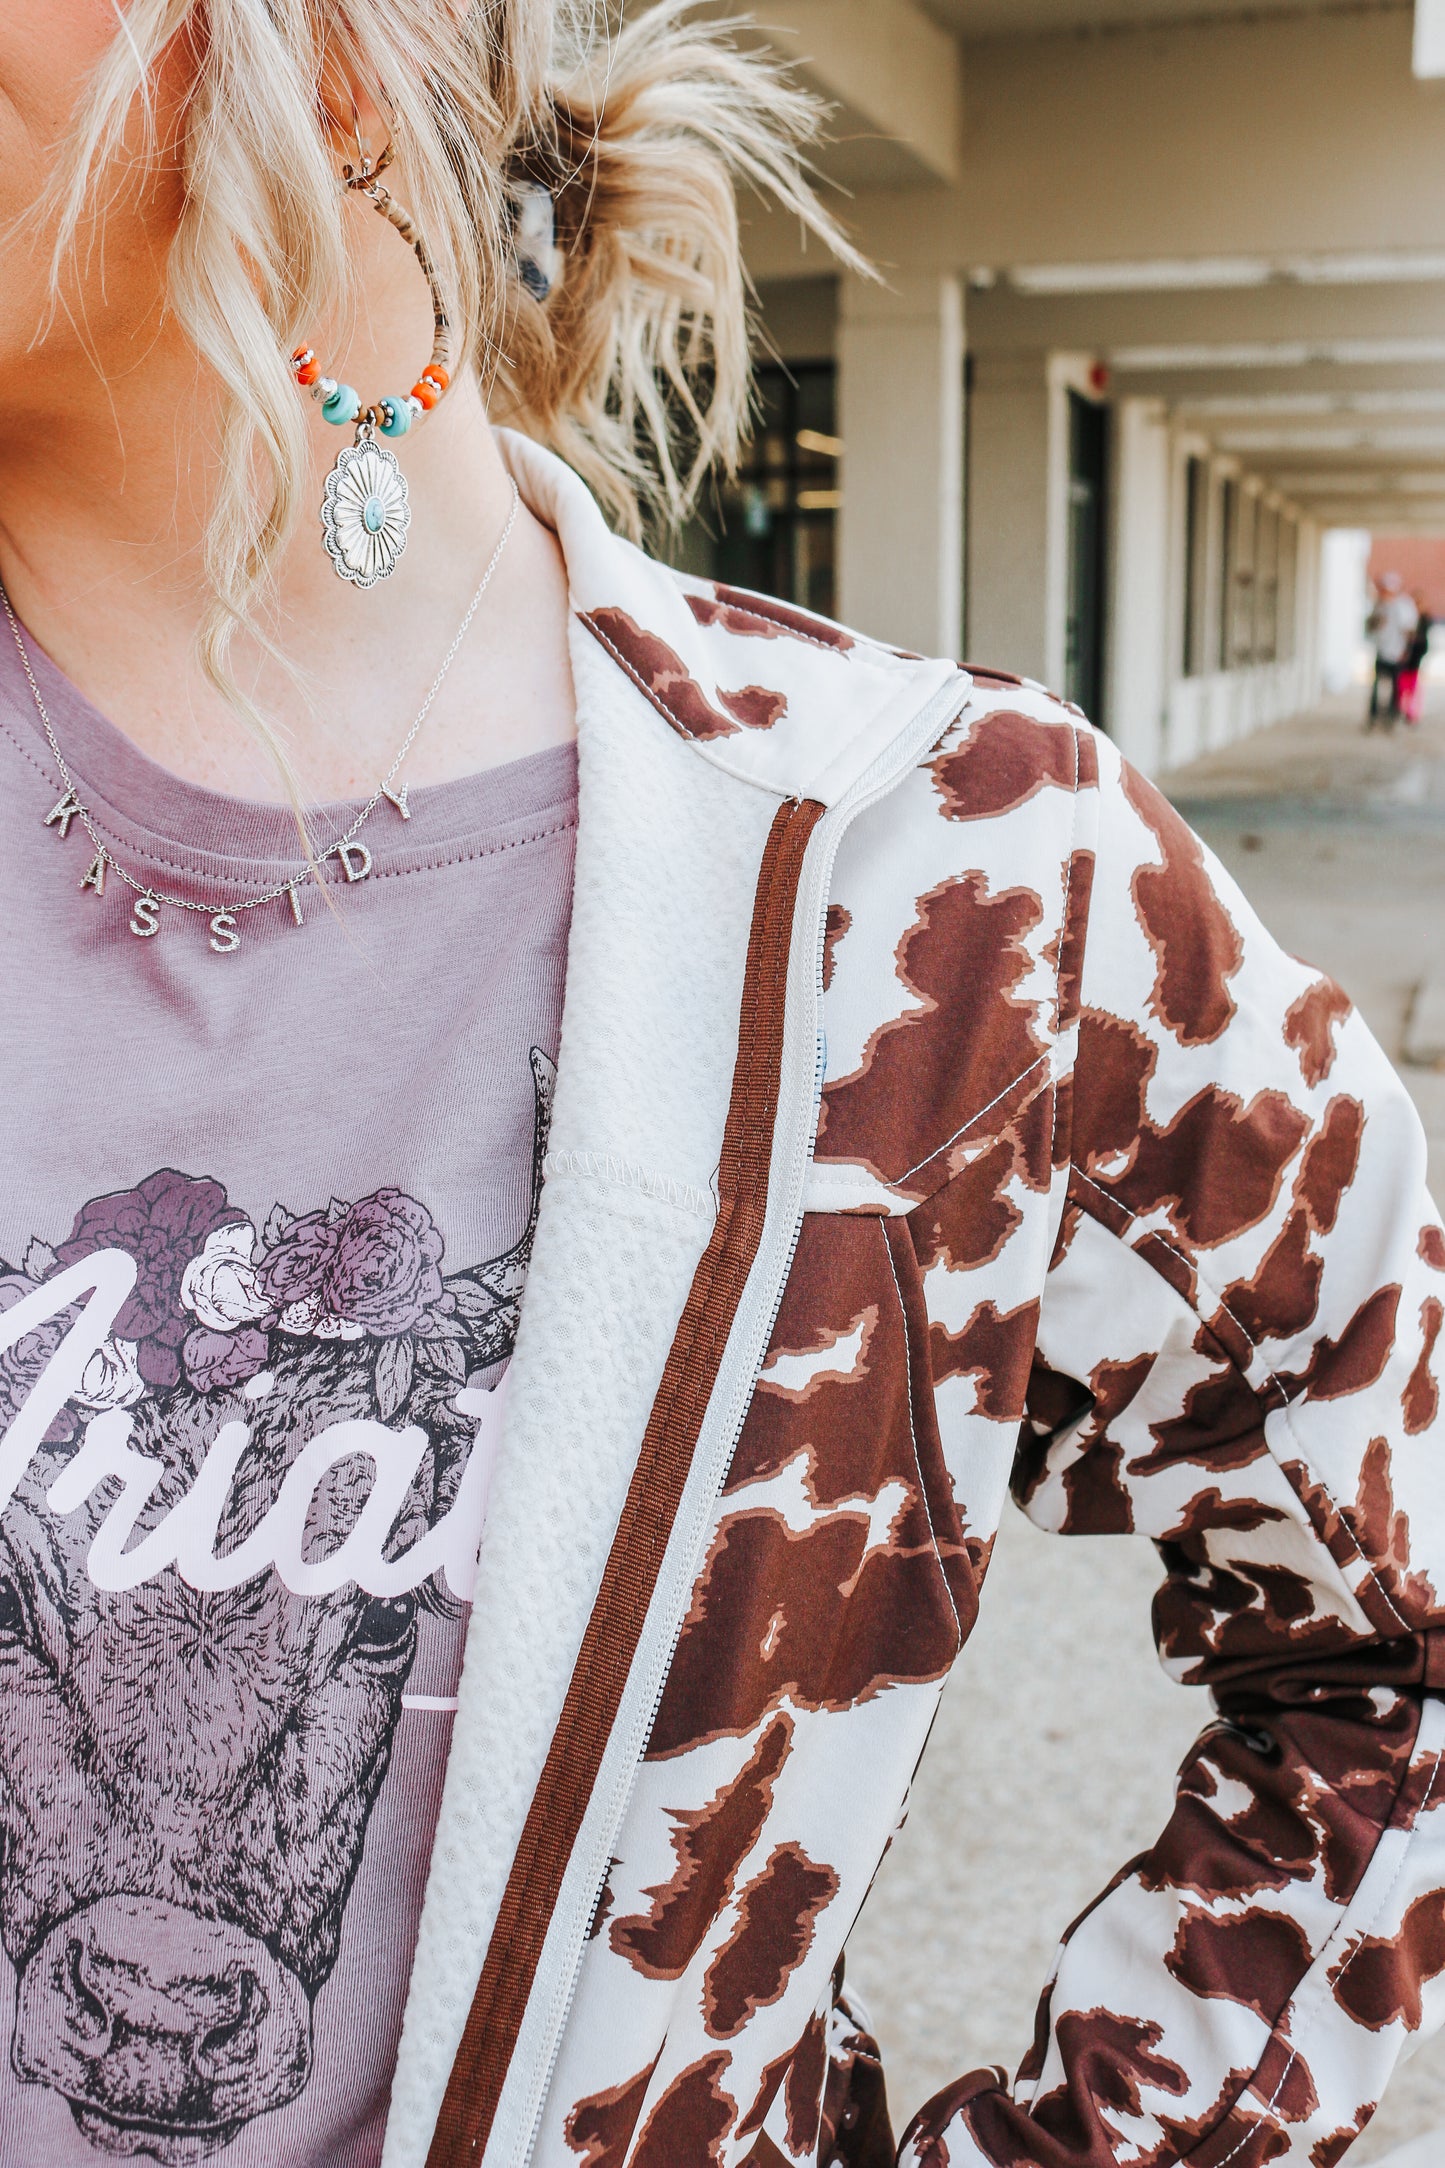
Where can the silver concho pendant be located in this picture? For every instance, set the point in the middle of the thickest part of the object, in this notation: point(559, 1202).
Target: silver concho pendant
point(365, 511)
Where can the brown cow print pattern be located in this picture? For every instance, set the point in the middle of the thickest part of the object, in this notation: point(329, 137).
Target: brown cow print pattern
point(1115, 1204)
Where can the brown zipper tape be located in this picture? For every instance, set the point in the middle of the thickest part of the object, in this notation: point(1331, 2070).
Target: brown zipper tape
point(654, 1496)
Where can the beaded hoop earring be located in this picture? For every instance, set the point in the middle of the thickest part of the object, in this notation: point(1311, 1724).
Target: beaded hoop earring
point(366, 508)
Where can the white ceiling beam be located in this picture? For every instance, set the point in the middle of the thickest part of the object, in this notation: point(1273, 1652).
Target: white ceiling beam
point(1429, 37)
point(887, 63)
point(1220, 274)
point(1279, 354)
point(1261, 406)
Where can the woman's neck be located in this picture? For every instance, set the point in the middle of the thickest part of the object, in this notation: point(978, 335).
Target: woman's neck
point(104, 496)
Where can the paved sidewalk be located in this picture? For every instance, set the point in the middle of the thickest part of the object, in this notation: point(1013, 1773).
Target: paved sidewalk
point(1054, 1754)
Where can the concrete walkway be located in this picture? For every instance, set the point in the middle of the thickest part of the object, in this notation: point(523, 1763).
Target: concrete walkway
point(1054, 1754)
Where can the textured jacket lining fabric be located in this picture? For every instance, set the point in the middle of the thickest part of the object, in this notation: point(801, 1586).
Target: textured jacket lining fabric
point(644, 1081)
point(480, 2069)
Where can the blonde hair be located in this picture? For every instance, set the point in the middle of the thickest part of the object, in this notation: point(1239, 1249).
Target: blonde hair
point(635, 367)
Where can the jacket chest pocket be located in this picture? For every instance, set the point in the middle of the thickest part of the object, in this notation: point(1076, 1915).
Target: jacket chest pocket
point(837, 1566)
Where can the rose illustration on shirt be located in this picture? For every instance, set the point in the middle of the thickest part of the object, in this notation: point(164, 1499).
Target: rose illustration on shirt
point(163, 1223)
point(373, 1266)
point(216, 1360)
point(383, 1274)
point(292, 1270)
point(221, 1286)
point(111, 1379)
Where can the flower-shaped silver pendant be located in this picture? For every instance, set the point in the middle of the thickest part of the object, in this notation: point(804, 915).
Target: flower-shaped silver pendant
point(365, 513)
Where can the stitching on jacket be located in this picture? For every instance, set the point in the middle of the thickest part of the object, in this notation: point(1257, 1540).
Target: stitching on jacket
point(630, 1174)
point(700, 745)
point(653, 698)
point(912, 1425)
point(1294, 2054)
point(753, 608)
point(895, 1181)
point(1286, 1405)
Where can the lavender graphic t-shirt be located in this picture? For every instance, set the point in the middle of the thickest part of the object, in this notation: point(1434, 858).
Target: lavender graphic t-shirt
point(264, 1222)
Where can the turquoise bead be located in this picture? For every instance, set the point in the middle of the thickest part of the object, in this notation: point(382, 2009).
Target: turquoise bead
point(342, 406)
point(398, 416)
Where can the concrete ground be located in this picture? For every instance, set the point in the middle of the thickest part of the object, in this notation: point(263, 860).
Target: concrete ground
point(1054, 1754)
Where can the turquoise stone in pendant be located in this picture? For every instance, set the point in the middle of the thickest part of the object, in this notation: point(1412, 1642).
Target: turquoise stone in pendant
point(373, 515)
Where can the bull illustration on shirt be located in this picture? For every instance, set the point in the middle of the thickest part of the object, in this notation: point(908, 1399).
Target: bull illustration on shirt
point(236, 1467)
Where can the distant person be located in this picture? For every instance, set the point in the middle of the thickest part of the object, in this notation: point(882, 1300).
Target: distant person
point(1391, 625)
point(1408, 679)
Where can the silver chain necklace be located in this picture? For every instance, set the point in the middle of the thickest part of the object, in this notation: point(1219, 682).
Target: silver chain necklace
point(352, 856)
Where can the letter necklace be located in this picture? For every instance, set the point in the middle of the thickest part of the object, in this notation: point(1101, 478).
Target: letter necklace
point(365, 509)
point(350, 853)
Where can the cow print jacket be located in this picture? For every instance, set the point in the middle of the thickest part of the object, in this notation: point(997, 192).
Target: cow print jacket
point(934, 1119)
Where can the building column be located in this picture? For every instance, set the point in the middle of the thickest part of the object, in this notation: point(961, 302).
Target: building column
point(1017, 518)
point(1143, 571)
point(901, 418)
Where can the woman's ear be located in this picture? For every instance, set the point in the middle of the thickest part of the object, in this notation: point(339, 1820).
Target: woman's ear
point(353, 114)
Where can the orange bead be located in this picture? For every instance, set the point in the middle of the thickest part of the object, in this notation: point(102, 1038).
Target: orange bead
point(300, 353)
point(308, 371)
point(436, 374)
point(425, 394)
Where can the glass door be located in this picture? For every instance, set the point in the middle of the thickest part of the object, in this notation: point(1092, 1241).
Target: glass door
point(1088, 484)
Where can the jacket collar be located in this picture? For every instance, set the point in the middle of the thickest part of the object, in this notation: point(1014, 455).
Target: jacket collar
point(774, 697)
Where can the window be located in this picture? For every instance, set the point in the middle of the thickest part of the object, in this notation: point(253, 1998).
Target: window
point(775, 527)
point(1196, 565)
point(1238, 630)
point(1266, 588)
point(1228, 523)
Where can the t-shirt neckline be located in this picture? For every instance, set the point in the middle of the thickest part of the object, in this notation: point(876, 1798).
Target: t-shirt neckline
point(162, 824)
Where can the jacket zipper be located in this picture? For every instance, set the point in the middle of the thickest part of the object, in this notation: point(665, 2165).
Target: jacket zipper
point(719, 1346)
point(885, 773)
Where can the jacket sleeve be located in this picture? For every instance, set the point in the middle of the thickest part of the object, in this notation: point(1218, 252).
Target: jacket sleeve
point(1238, 1356)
